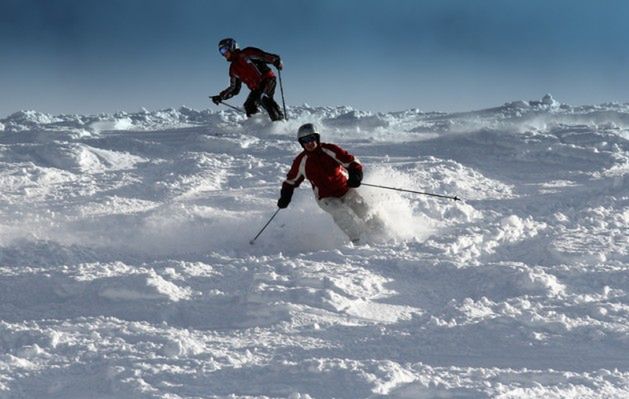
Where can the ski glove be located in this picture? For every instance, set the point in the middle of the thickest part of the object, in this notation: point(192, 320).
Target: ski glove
point(285, 196)
point(278, 64)
point(283, 202)
point(217, 99)
point(355, 178)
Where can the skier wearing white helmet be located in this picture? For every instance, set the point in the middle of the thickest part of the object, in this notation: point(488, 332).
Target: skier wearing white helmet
point(334, 175)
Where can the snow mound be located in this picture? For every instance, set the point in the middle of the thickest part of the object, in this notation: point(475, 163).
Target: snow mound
point(151, 286)
point(126, 269)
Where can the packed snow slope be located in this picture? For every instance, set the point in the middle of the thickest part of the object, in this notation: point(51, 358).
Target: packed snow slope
point(126, 269)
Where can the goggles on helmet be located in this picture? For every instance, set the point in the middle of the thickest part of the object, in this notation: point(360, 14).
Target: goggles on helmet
point(308, 139)
point(223, 50)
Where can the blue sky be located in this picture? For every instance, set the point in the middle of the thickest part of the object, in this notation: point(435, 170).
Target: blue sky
point(87, 56)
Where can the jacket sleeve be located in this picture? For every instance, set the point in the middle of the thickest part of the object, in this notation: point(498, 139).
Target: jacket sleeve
point(254, 53)
point(297, 172)
point(295, 177)
point(234, 87)
point(347, 160)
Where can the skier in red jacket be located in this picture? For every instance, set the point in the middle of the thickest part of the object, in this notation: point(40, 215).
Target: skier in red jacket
point(249, 65)
point(334, 174)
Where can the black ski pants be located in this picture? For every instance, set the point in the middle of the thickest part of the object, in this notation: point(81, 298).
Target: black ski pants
point(263, 95)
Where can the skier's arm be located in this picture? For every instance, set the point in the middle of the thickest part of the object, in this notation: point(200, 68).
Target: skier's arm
point(259, 55)
point(348, 161)
point(294, 178)
point(234, 88)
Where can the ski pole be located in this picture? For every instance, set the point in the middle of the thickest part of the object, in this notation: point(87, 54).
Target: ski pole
point(415, 192)
point(231, 106)
point(267, 223)
point(279, 75)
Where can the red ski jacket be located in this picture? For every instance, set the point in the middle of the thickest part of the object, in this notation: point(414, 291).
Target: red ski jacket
point(326, 169)
point(248, 65)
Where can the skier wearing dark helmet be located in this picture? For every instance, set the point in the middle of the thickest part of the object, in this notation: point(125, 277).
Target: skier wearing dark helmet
point(249, 65)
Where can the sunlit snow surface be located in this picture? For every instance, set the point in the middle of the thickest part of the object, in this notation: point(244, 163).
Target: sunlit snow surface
point(126, 269)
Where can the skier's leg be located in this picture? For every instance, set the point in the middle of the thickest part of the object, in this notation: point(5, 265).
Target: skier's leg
point(251, 105)
point(357, 203)
point(343, 216)
point(272, 108)
point(269, 103)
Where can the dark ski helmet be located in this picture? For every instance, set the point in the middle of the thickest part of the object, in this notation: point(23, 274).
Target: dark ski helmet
point(227, 44)
point(305, 133)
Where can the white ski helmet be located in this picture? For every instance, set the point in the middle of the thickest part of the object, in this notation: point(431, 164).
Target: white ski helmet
point(306, 130)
